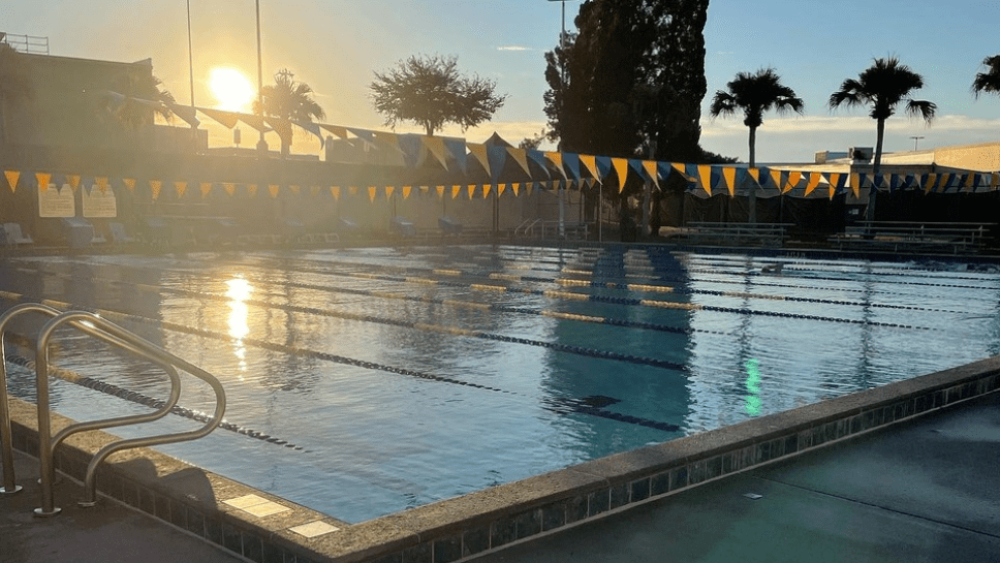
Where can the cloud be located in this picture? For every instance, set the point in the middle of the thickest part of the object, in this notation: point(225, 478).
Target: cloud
point(514, 48)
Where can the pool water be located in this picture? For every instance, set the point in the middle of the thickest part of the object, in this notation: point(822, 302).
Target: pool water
point(388, 378)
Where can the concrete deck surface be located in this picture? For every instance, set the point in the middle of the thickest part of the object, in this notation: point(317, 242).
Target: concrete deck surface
point(107, 533)
point(923, 490)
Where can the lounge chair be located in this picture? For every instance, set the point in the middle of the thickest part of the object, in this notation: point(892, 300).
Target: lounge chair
point(14, 235)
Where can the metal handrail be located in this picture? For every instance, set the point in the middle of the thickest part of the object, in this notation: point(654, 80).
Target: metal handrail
point(134, 343)
point(110, 333)
point(6, 445)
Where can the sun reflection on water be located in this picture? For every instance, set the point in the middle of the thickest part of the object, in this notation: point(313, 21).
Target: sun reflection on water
point(239, 291)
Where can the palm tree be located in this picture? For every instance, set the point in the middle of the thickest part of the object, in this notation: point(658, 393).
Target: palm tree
point(988, 81)
point(883, 86)
point(755, 94)
point(288, 100)
point(137, 97)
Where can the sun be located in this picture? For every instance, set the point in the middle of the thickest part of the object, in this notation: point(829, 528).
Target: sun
point(232, 89)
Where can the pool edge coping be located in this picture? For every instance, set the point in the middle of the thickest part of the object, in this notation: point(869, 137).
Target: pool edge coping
point(470, 525)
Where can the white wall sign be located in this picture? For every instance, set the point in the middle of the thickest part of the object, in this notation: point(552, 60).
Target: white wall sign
point(56, 202)
point(99, 203)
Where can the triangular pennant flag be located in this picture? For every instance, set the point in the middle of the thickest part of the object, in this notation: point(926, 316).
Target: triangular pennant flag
point(335, 192)
point(729, 175)
point(521, 157)
point(479, 152)
point(229, 187)
point(227, 118)
point(388, 140)
point(440, 191)
point(406, 192)
point(814, 180)
point(436, 147)
point(516, 188)
point(556, 158)
point(186, 113)
point(603, 164)
point(389, 190)
point(255, 121)
point(273, 189)
point(498, 158)
point(43, 179)
point(336, 130)
point(455, 190)
point(457, 149)
point(295, 189)
point(539, 158)
point(486, 190)
point(472, 190)
point(425, 190)
point(74, 181)
point(206, 188)
point(410, 145)
point(154, 187)
point(181, 188)
point(282, 127)
point(793, 181)
point(312, 128)
point(571, 162)
point(705, 177)
point(650, 166)
point(501, 188)
point(372, 192)
point(252, 190)
point(12, 177)
point(129, 184)
point(590, 163)
point(621, 169)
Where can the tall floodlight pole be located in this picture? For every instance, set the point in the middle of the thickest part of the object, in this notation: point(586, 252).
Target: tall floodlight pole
point(562, 93)
point(261, 144)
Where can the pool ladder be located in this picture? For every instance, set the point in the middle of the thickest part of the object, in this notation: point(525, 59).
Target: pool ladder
point(110, 333)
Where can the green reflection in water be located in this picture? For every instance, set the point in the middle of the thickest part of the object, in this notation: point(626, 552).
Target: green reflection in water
point(753, 402)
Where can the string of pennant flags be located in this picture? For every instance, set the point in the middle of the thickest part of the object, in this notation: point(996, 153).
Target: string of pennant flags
point(552, 170)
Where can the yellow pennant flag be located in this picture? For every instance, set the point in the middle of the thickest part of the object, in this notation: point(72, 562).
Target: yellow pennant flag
point(621, 167)
point(252, 190)
point(335, 192)
point(516, 188)
point(995, 179)
point(521, 157)
point(425, 190)
point(776, 178)
point(705, 175)
point(181, 188)
point(154, 187)
point(43, 180)
point(501, 188)
point(793, 180)
point(206, 188)
point(557, 159)
point(12, 177)
point(102, 183)
point(931, 180)
point(729, 174)
point(273, 189)
point(74, 181)
point(590, 163)
point(479, 151)
point(129, 184)
point(455, 190)
point(440, 191)
point(755, 174)
point(486, 190)
point(436, 146)
point(856, 184)
point(406, 192)
point(472, 190)
point(834, 181)
point(372, 193)
point(650, 167)
point(229, 187)
point(389, 190)
point(814, 178)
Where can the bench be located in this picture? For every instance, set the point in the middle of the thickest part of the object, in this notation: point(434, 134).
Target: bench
point(737, 234)
point(912, 236)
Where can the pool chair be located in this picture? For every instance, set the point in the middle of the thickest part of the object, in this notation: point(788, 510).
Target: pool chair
point(14, 235)
point(118, 235)
point(402, 227)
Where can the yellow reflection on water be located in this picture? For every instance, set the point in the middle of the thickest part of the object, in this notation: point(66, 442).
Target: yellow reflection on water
point(239, 291)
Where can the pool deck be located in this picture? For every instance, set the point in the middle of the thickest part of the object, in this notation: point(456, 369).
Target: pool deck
point(921, 490)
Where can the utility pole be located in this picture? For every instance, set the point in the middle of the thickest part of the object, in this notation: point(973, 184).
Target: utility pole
point(261, 144)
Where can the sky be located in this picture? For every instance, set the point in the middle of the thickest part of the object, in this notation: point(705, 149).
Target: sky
point(335, 46)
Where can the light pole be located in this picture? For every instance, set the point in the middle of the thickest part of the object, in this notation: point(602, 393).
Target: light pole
point(915, 139)
point(562, 88)
point(261, 144)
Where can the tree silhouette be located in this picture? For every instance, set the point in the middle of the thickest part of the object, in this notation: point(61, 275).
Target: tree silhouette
point(988, 81)
point(287, 99)
point(430, 91)
point(883, 86)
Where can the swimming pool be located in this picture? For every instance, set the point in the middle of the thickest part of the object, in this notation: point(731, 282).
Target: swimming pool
point(387, 378)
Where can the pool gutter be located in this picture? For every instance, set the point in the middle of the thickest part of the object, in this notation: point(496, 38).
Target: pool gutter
point(462, 527)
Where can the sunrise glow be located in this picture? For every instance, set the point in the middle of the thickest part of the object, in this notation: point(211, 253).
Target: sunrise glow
point(232, 89)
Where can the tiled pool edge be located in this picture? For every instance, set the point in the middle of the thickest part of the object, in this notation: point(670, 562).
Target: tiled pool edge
point(457, 528)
